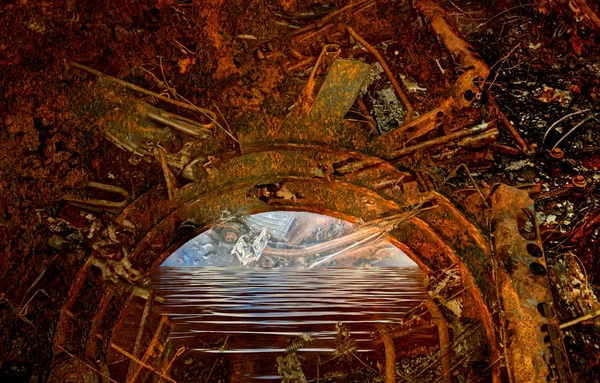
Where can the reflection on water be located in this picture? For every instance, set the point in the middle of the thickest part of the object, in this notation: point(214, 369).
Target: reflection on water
point(272, 282)
point(262, 310)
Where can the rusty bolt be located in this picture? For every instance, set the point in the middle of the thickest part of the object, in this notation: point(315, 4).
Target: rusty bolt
point(579, 181)
point(557, 153)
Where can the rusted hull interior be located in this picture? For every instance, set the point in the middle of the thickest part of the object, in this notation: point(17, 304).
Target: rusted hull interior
point(466, 134)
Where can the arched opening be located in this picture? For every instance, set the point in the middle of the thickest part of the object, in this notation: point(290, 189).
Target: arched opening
point(290, 295)
point(425, 225)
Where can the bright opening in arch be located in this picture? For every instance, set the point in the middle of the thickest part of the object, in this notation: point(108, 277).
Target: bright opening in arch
point(289, 239)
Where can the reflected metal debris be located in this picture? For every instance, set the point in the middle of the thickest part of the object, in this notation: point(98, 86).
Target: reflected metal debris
point(289, 239)
point(262, 311)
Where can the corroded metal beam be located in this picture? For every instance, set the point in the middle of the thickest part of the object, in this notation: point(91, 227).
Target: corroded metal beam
point(534, 348)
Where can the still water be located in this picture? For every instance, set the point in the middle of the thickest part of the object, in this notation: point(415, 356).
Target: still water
point(260, 311)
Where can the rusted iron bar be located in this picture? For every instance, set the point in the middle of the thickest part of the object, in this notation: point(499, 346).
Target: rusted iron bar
point(91, 349)
point(390, 358)
point(138, 340)
point(592, 315)
point(587, 10)
point(154, 344)
point(477, 71)
point(100, 203)
point(130, 356)
point(444, 334)
point(479, 141)
point(306, 99)
point(327, 18)
point(440, 140)
point(509, 126)
point(180, 124)
point(208, 113)
point(169, 178)
point(455, 44)
point(145, 293)
point(388, 72)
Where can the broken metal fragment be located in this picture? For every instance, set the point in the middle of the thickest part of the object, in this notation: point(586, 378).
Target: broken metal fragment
point(569, 280)
point(321, 121)
point(464, 92)
point(208, 113)
point(139, 128)
point(534, 346)
point(390, 358)
point(476, 70)
point(169, 177)
point(487, 133)
point(178, 123)
point(388, 72)
point(444, 336)
point(100, 203)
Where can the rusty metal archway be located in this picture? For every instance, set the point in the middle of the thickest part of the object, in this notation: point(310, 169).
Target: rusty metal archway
point(315, 160)
point(509, 275)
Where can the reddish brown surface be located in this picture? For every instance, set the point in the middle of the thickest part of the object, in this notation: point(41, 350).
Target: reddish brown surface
point(51, 142)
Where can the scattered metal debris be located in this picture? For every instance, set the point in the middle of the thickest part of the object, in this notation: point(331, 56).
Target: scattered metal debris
point(166, 117)
point(388, 72)
point(476, 238)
